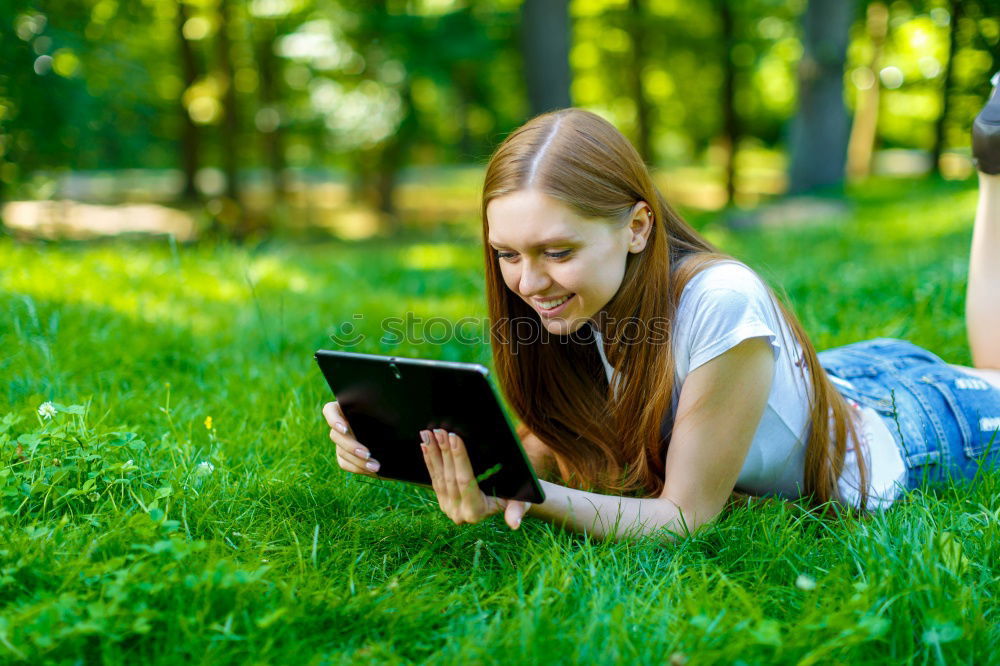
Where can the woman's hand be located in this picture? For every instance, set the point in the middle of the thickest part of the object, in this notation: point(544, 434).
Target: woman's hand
point(352, 456)
point(455, 483)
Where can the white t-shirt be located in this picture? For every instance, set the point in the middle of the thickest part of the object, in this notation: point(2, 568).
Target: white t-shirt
point(726, 304)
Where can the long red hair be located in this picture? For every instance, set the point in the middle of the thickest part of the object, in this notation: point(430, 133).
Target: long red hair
point(616, 441)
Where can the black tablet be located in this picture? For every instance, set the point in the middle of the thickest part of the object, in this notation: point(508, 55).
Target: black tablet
point(388, 400)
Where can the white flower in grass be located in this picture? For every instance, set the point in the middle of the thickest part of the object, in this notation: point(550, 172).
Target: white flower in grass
point(129, 465)
point(205, 468)
point(46, 410)
point(804, 582)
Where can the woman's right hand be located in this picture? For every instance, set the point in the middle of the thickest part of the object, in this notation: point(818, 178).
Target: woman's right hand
point(352, 456)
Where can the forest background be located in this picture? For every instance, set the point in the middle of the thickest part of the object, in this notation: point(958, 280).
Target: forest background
point(364, 118)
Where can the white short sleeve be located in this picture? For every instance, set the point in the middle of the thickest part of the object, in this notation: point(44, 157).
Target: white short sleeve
point(721, 307)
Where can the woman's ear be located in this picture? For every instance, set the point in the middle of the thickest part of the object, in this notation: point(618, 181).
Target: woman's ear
point(640, 226)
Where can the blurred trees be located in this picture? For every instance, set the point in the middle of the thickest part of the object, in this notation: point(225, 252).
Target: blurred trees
point(267, 119)
point(189, 139)
point(545, 39)
point(639, 38)
point(973, 45)
point(913, 72)
point(866, 112)
point(730, 123)
point(955, 18)
point(820, 128)
point(714, 76)
point(435, 85)
point(240, 97)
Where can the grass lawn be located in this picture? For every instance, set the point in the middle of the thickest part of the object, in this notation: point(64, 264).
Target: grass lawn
point(184, 504)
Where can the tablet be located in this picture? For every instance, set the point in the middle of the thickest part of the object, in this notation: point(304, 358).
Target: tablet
point(388, 400)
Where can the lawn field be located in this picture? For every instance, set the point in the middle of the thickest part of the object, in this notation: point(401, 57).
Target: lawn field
point(183, 503)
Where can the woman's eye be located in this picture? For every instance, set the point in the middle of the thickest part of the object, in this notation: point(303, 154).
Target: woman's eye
point(561, 254)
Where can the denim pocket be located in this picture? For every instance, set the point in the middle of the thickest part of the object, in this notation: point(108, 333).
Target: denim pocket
point(880, 374)
point(974, 404)
point(902, 414)
point(866, 386)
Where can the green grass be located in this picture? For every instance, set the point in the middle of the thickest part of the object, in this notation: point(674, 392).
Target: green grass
point(270, 554)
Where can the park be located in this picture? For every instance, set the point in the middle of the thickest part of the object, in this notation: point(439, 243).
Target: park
point(196, 195)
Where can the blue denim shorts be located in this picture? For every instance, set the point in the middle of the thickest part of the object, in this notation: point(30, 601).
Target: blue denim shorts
point(944, 421)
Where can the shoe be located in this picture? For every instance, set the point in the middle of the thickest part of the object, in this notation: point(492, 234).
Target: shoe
point(986, 133)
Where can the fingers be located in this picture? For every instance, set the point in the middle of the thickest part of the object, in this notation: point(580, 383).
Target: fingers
point(352, 456)
point(466, 502)
point(437, 456)
point(350, 465)
point(465, 478)
point(432, 456)
point(356, 456)
point(514, 512)
point(335, 417)
point(454, 482)
point(447, 462)
point(474, 502)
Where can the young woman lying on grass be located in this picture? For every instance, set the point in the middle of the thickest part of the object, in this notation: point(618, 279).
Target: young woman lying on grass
point(673, 375)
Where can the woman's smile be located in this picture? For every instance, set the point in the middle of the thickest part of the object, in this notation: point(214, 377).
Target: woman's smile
point(554, 306)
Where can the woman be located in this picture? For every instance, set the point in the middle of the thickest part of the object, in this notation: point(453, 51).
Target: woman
point(666, 374)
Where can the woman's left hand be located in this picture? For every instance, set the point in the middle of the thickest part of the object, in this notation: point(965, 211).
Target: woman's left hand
point(455, 483)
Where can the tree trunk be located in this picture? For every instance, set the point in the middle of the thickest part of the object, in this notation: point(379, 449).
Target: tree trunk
point(463, 76)
point(864, 129)
point(730, 123)
point(271, 132)
point(545, 31)
point(385, 186)
point(946, 84)
point(390, 161)
point(643, 109)
point(820, 128)
point(230, 122)
point(189, 144)
point(3, 193)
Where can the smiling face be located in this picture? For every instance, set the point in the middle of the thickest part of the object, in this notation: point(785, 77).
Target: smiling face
point(566, 267)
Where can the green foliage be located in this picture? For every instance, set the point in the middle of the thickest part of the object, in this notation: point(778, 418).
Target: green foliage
point(62, 468)
point(371, 87)
point(163, 536)
point(683, 76)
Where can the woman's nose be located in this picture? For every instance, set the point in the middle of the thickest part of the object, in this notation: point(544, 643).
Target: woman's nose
point(533, 279)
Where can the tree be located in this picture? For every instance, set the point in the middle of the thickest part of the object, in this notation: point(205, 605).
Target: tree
point(435, 84)
point(946, 84)
point(190, 141)
point(820, 128)
point(643, 109)
point(864, 129)
point(379, 37)
point(545, 29)
point(230, 120)
point(268, 118)
point(730, 122)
